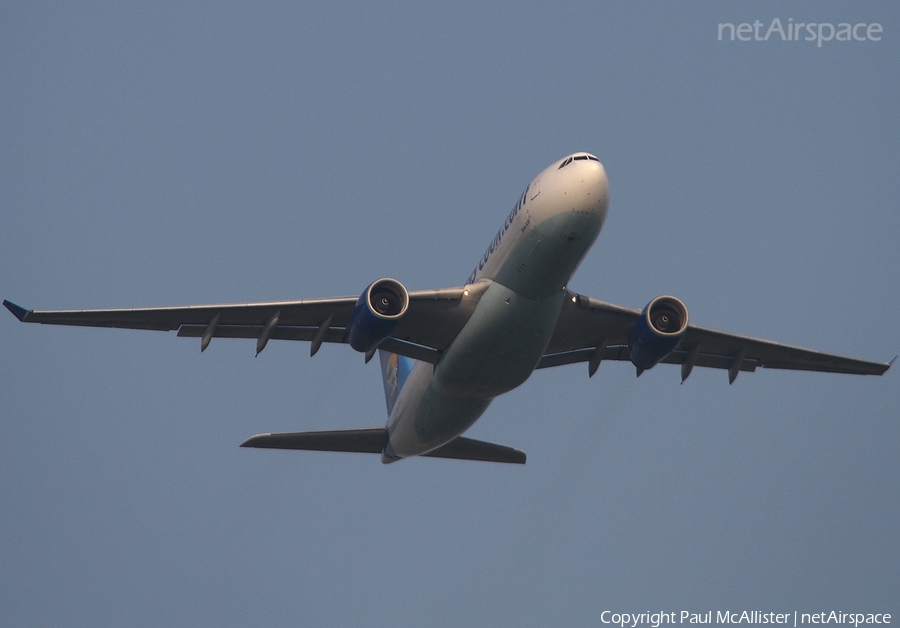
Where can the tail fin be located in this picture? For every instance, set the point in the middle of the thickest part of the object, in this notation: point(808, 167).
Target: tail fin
point(394, 371)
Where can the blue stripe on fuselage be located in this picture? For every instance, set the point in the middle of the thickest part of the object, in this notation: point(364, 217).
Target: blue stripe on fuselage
point(495, 243)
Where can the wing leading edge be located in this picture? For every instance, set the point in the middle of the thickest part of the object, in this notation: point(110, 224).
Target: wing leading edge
point(588, 330)
point(432, 321)
point(592, 331)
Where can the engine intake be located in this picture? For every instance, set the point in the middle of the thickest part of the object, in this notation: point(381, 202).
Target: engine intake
point(376, 313)
point(657, 331)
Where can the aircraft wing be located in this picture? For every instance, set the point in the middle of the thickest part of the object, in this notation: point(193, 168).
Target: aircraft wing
point(591, 331)
point(432, 321)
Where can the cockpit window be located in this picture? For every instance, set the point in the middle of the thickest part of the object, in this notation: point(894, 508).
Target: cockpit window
point(576, 158)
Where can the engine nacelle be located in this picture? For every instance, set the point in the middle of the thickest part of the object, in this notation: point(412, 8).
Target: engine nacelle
point(376, 313)
point(657, 331)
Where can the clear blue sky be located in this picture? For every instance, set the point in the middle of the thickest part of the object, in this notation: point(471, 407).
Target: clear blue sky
point(176, 153)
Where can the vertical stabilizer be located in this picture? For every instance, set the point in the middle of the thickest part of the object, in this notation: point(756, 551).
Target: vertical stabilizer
point(394, 371)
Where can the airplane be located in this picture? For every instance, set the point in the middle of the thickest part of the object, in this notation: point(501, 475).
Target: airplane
point(446, 354)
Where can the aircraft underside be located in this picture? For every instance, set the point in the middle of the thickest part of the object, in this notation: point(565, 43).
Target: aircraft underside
point(446, 354)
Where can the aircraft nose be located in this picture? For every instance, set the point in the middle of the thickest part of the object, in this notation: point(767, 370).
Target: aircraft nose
point(589, 186)
point(601, 190)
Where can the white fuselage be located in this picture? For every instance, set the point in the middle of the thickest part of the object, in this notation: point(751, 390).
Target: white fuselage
point(526, 268)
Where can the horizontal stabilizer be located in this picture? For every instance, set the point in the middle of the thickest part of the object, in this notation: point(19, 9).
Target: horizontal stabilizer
point(365, 440)
point(470, 449)
point(372, 440)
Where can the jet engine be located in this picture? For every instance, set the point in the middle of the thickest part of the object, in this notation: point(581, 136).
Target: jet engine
point(376, 313)
point(657, 331)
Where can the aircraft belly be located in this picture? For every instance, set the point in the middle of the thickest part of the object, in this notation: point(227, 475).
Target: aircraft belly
point(544, 260)
point(431, 421)
point(499, 346)
point(495, 352)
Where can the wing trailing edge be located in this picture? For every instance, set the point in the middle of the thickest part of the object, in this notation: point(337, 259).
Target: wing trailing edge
point(433, 320)
point(594, 331)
